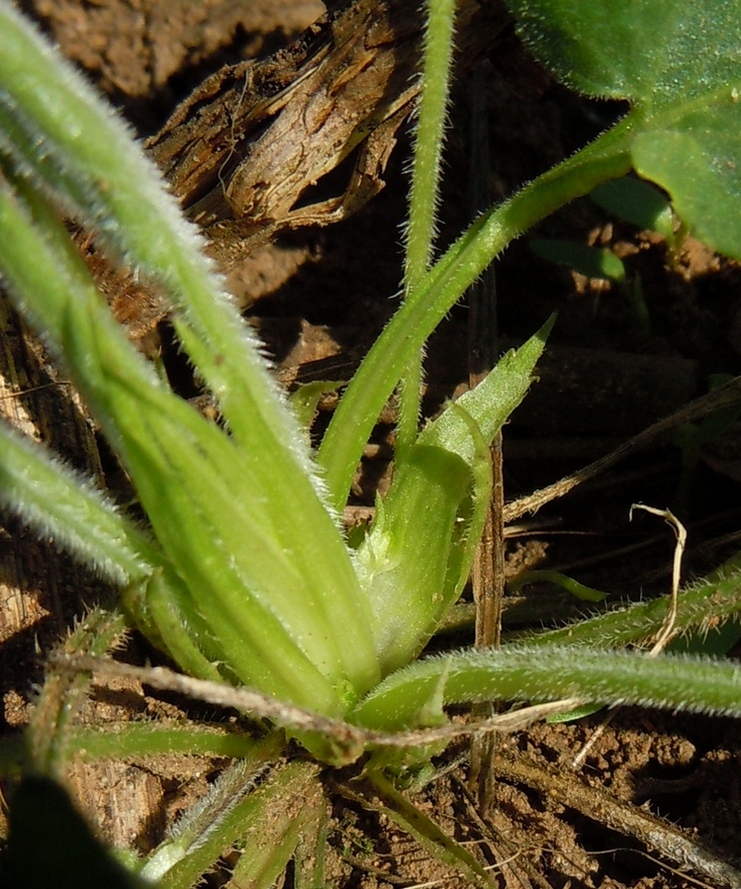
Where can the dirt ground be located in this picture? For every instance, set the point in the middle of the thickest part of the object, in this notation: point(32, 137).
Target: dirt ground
point(321, 296)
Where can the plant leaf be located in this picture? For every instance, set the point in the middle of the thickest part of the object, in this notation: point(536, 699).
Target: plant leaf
point(64, 505)
point(417, 557)
point(443, 285)
point(131, 739)
point(436, 840)
point(642, 620)
point(585, 593)
point(217, 507)
point(218, 514)
point(63, 138)
point(64, 853)
point(695, 154)
point(593, 262)
point(549, 672)
point(233, 806)
point(679, 64)
point(651, 52)
point(638, 202)
point(404, 563)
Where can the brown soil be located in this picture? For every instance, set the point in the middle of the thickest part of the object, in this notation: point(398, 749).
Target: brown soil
point(324, 294)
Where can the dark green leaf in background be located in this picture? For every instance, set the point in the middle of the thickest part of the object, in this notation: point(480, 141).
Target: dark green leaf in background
point(51, 847)
point(651, 52)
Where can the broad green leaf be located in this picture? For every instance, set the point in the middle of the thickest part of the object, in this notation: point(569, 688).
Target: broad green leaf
point(651, 52)
point(695, 154)
point(679, 64)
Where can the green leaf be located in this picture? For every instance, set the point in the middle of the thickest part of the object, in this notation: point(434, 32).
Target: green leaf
point(695, 154)
point(417, 557)
point(593, 262)
point(50, 844)
point(306, 398)
point(436, 840)
point(223, 507)
point(429, 135)
point(549, 672)
point(270, 848)
point(70, 144)
point(233, 810)
point(132, 739)
point(405, 562)
point(585, 593)
point(638, 202)
point(66, 506)
point(679, 64)
point(490, 403)
point(444, 284)
point(262, 586)
point(218, 508)
point(641, 621)
point(652, 52)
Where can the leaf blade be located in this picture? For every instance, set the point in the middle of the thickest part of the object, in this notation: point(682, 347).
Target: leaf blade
point(646, 51)
point(550, 672)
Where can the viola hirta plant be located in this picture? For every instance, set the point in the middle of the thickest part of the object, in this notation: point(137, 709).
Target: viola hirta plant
point(241, 572)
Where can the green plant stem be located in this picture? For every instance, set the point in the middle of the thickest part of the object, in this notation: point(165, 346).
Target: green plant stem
point(428, 145)
point(429, 139)
point(444, 284)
